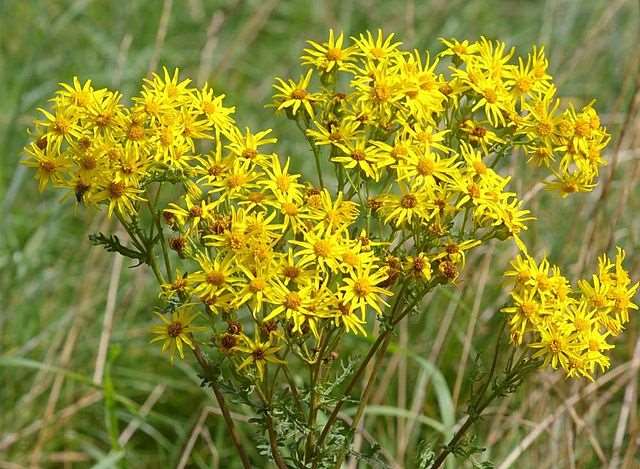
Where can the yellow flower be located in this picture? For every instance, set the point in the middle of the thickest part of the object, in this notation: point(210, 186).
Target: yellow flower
point(379, 48)
point(256, 288)
point(77, 94)
point(495, 100)
point(212, 107)
point(419, 266)
point(215, 275)
point(361, 289)
point(345, 316)
point(176, 331)
point(195, 212)
point(247, 146)
point(462, 50)
point(60, 126)
point(120, 196)
point(295, 94)
point(259, 353)
point(335, 133)
point(279, 180)
point(428, 169)
point(526, 313)
point(328, 55)
point(50, 165)
point(294, 304)
point(175, 91)
point(554, 347)
point(363, 155)
point(320, 247)
point(412, 203)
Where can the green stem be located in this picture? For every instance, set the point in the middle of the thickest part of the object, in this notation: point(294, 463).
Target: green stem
point(273, 437)
point(206, 368)
point(316, 155)
point(380, 340)
point(514, 375)
point(313, 407)
point(365, 397)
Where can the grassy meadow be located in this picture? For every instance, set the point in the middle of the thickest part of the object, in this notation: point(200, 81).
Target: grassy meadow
point(77, 376)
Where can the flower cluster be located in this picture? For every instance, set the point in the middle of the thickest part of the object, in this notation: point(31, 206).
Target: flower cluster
point(106, 153)
point(408, 150)
point(569, 328)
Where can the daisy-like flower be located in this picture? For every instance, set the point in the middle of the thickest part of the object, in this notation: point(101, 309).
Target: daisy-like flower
point(259, 353)
point(213, 108)
point(49, 164)
point(554, 347)
point(247, 146)
point(295, 94)
point(120, 197)
point(194, 212)
point(320, 247)
point(61, 126)
point(462, 50)
point(378, 48)
point(176, 92)
point(291, 303)
point(495, 100)
point(526, 313)
point(419, 266)
point(328, 55)
point(365, 156)
point(412, 203)
point(428, 168)
point(176, 331)
point(257, 287)
point(78, 94)
point(216, 275)
point(293, 270)
point(361, 289)
point(346, 317)
point(279, 180)
point(335, 133)
point(480, 135)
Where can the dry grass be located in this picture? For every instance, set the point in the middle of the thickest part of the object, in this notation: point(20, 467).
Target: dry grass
point(81, 387)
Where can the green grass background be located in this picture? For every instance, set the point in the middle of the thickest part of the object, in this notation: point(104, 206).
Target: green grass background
point(55, 288)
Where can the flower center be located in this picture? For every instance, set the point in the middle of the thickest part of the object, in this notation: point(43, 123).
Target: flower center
point(174, 329)
point(408, 201)
point(216, 278)
point(322, 248)
point(292, 300)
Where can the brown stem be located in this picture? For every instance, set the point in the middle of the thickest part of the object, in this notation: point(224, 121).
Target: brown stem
point(380, 341)
point(206, 367)
point(365, 397)
point(273, 438)
point(273, 442)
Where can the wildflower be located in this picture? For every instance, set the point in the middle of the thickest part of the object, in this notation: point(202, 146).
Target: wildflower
point(295, 94)
point(361, 289)
point(50, 165)
point(328, 55)
point(294, 304)
point(216, 275)
point(247, 146)
point(411, 203)
point(212, 107)
point(176, 331)
point(362, 155)
point(320, 247)
point(378, 48)
point(120, 197)
point(259, 353)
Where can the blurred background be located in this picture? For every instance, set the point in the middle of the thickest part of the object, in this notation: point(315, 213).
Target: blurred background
point(77, 377)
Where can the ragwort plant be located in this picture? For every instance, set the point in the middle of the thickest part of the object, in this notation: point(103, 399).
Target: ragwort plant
point(263, 273)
